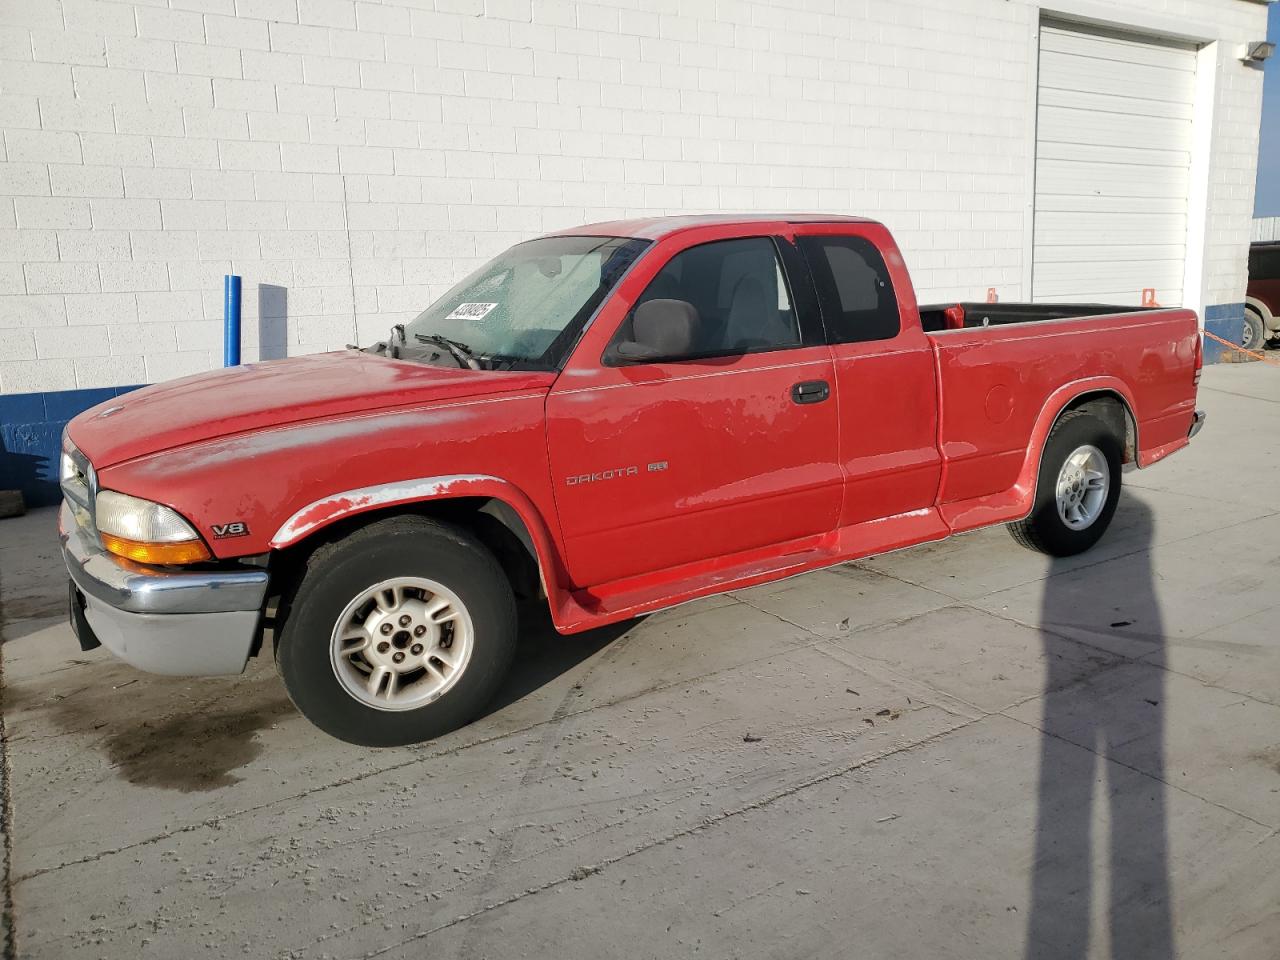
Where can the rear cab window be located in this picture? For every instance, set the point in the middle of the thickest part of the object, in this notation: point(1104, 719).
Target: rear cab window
point(854, 290)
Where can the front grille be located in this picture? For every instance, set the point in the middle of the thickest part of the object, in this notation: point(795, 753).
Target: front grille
point(80, 487)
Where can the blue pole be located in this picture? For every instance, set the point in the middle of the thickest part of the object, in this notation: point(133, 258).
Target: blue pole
point(230, 320)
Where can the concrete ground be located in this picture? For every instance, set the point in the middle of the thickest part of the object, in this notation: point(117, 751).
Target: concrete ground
point(961, 750)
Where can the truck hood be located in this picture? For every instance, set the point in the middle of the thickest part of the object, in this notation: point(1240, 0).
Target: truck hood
point(256, 395)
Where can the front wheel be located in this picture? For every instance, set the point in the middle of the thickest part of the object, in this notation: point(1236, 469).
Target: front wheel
point(1077, 488)
point(398, 633)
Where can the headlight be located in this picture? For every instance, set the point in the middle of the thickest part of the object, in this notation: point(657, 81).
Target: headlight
point(145, 531)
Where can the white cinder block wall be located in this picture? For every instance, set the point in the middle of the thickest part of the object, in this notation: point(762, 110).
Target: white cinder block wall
point(350, 159)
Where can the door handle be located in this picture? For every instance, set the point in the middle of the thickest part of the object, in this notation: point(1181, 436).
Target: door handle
point(811, 391)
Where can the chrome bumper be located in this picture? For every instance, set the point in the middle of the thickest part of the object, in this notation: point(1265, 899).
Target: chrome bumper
point(1196, 423)
point(181, 623)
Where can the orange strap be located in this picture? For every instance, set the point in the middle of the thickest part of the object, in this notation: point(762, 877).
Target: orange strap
point(1240, 349)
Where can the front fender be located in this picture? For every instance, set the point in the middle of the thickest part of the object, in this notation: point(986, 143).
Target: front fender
point(321, 513)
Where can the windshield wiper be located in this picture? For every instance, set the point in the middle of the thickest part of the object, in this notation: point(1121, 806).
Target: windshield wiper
point(459, 351)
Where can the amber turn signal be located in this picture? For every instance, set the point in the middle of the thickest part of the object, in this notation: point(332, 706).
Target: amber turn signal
point(184, 551)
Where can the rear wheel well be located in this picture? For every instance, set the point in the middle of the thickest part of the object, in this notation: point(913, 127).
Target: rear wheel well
point(1262, 309)
point(1111, 408)
point(493, 522)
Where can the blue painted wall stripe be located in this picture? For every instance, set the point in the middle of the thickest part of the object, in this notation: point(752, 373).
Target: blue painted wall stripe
point(31, 437)
point(1225, 320)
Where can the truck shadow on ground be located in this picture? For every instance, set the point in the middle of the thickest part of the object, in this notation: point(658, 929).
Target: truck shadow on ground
point(192, 735)
point(543, 654)
point(1106, 730)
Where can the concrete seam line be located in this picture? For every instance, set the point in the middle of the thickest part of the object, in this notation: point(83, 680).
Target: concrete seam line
point(1140, 772)
point(1242, 396)
point(1124, 658)
point(582, 873)
point(503, 856)
point(9, 946)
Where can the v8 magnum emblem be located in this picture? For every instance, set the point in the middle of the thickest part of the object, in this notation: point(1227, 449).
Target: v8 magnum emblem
point(223, 530)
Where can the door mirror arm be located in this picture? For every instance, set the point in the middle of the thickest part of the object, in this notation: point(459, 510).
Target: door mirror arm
point(628, 351)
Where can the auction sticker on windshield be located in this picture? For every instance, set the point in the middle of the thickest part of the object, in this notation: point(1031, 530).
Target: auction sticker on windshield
point(470, 311)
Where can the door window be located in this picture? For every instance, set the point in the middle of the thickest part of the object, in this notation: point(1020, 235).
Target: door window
point(738, 293)
point(854, 289)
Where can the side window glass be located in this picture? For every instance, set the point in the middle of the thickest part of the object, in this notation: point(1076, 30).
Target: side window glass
point(1264, 262)
point(732, 299)
point(854, 289)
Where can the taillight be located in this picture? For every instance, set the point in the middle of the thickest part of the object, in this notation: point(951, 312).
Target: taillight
point(1195, 379)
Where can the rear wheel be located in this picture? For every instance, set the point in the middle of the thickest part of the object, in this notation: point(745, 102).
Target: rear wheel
point(1077, 488)
point(398, 633)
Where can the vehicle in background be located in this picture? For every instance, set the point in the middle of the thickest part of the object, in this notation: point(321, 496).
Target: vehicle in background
point(610, 420)
point(1262, 299)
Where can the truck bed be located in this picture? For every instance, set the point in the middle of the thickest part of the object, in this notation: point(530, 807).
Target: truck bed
point(937, 317)
point(997, 379)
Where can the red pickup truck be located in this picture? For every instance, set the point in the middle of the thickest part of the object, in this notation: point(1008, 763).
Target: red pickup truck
point(616, 418)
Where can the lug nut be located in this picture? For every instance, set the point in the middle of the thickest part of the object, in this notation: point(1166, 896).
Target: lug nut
point(419, 631)
point(416, 649)
point(405, 619)
point(385, 629)
point(398, 656)
point(383, 647)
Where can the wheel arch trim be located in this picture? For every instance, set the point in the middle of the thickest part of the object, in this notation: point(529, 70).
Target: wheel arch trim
point(1270, 319)
point(318, 514)
point(1066, 398)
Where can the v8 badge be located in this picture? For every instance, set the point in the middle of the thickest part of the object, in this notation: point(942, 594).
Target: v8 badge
point(223, 530)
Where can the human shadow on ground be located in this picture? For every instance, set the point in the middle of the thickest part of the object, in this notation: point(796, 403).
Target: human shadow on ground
point(1087, 723)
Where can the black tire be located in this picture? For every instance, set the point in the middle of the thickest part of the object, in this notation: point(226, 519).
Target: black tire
point(1044, 530)
point(1255, 332)
point(337, 573)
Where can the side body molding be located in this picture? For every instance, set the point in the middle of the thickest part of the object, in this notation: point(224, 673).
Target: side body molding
point(320, 513)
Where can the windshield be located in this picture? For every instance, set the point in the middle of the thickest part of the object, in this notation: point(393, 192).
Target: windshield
point(523, 310)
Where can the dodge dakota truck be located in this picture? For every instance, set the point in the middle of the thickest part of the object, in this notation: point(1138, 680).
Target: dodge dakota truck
point(610, 420)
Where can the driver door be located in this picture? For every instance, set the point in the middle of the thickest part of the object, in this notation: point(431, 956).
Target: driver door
point(694, 458)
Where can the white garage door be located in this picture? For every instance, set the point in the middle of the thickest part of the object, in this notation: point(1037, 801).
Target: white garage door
point(1113, 157)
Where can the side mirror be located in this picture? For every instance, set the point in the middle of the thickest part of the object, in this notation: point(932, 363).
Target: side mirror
point(663, 330)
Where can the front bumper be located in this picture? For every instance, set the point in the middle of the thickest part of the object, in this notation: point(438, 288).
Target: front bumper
point(176, 622)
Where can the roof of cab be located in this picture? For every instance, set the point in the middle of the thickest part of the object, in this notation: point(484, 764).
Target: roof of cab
point(655, 228)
